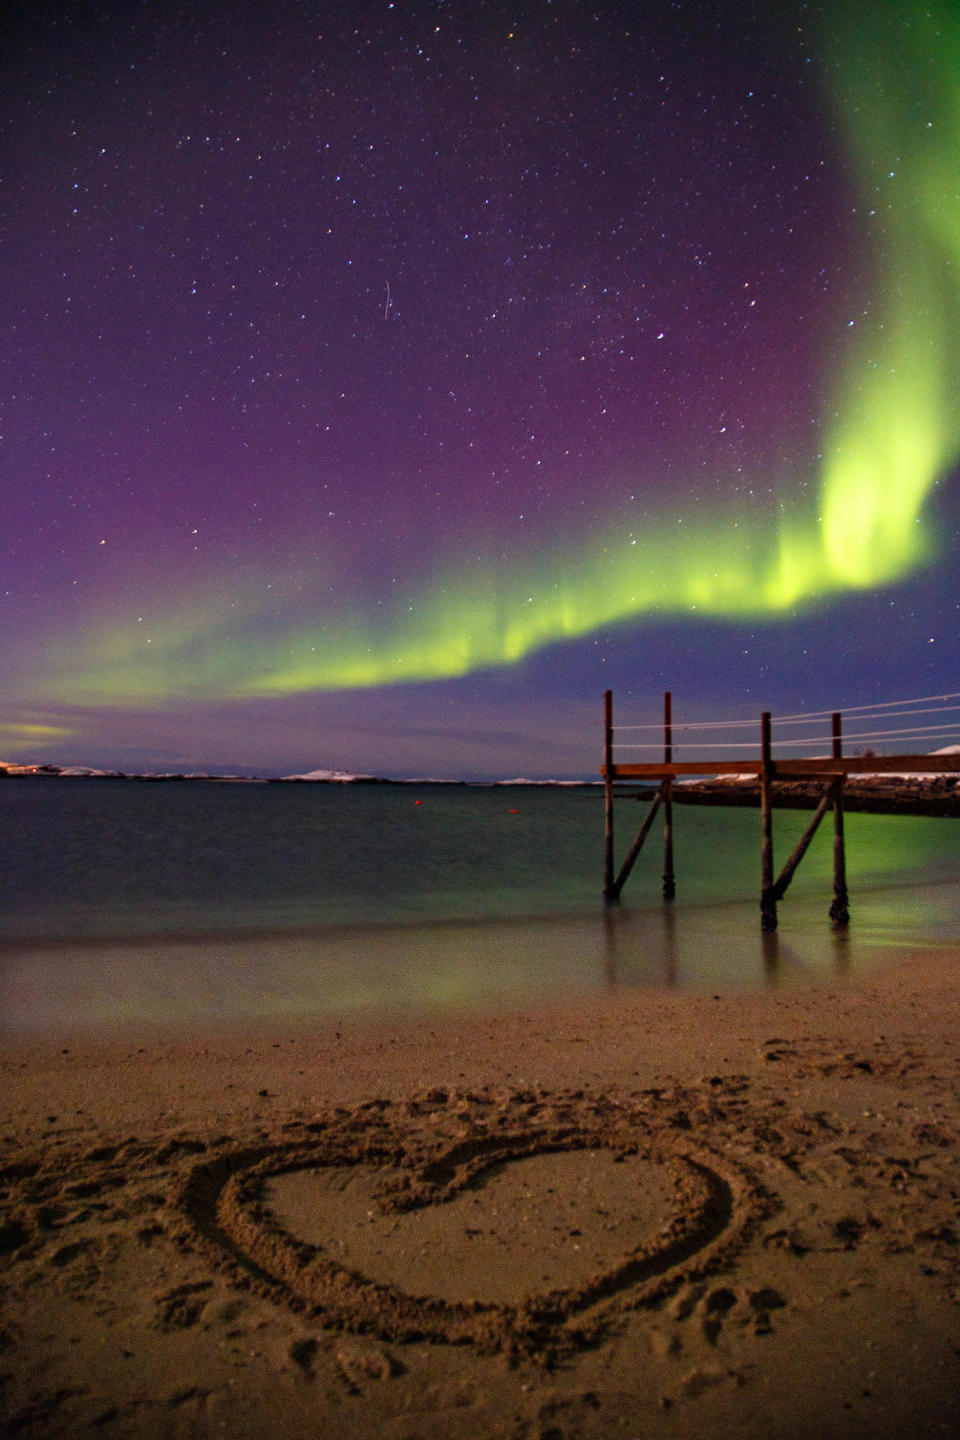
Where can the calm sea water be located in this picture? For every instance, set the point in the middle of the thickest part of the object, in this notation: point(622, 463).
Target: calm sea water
point(124, 901)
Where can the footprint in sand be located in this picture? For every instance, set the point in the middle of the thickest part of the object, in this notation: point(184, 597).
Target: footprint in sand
point(183, 1307)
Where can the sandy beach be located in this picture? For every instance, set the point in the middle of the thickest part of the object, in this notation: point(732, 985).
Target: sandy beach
point(655, 1215)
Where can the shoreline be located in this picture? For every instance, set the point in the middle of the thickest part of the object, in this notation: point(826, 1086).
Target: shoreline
point(457, 967)
point(795, 1270)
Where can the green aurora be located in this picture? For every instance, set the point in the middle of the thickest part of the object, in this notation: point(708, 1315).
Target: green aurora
point(889, 430)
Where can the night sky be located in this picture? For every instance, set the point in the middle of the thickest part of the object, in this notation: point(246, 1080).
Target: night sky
point(381, 382)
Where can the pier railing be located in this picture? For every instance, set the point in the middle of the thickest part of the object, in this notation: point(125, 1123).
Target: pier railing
point(832, 770)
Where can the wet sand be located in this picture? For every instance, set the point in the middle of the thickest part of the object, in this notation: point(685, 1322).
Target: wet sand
point(647, 1214)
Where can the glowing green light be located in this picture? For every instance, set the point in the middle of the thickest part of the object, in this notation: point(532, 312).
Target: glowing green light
point(23, 734)
point(897, 424)
point(891, 428)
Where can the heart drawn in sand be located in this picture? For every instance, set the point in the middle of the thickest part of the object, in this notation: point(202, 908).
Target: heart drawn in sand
point(502, 1240)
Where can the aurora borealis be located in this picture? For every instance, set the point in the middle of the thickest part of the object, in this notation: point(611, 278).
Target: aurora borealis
point(383, 382)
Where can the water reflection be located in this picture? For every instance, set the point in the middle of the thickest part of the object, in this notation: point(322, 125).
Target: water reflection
point(771, 945)
point(408, 968)
point(641, 949)
point(842, 954)
point(723, 946)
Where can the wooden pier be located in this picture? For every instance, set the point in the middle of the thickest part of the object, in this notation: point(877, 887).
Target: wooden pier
point(832, 770)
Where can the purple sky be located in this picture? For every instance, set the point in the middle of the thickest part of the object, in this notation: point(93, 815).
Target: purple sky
point(369, 331)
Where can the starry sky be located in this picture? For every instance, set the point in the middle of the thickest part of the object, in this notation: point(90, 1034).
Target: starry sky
point(381, 382)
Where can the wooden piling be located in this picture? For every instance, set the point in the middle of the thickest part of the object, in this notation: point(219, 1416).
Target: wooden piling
point(832, 769)
point(669, 881)
point(768, 897)
point(608, 881)
point(636, 847)
point(840, 906)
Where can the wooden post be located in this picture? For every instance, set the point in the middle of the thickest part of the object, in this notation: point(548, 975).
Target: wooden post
point(608, 885)
point(840, 906)
point(768, 898)
point(669, 883)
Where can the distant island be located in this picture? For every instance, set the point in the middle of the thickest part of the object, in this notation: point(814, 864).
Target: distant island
point(882, 793)
point(312, 777)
